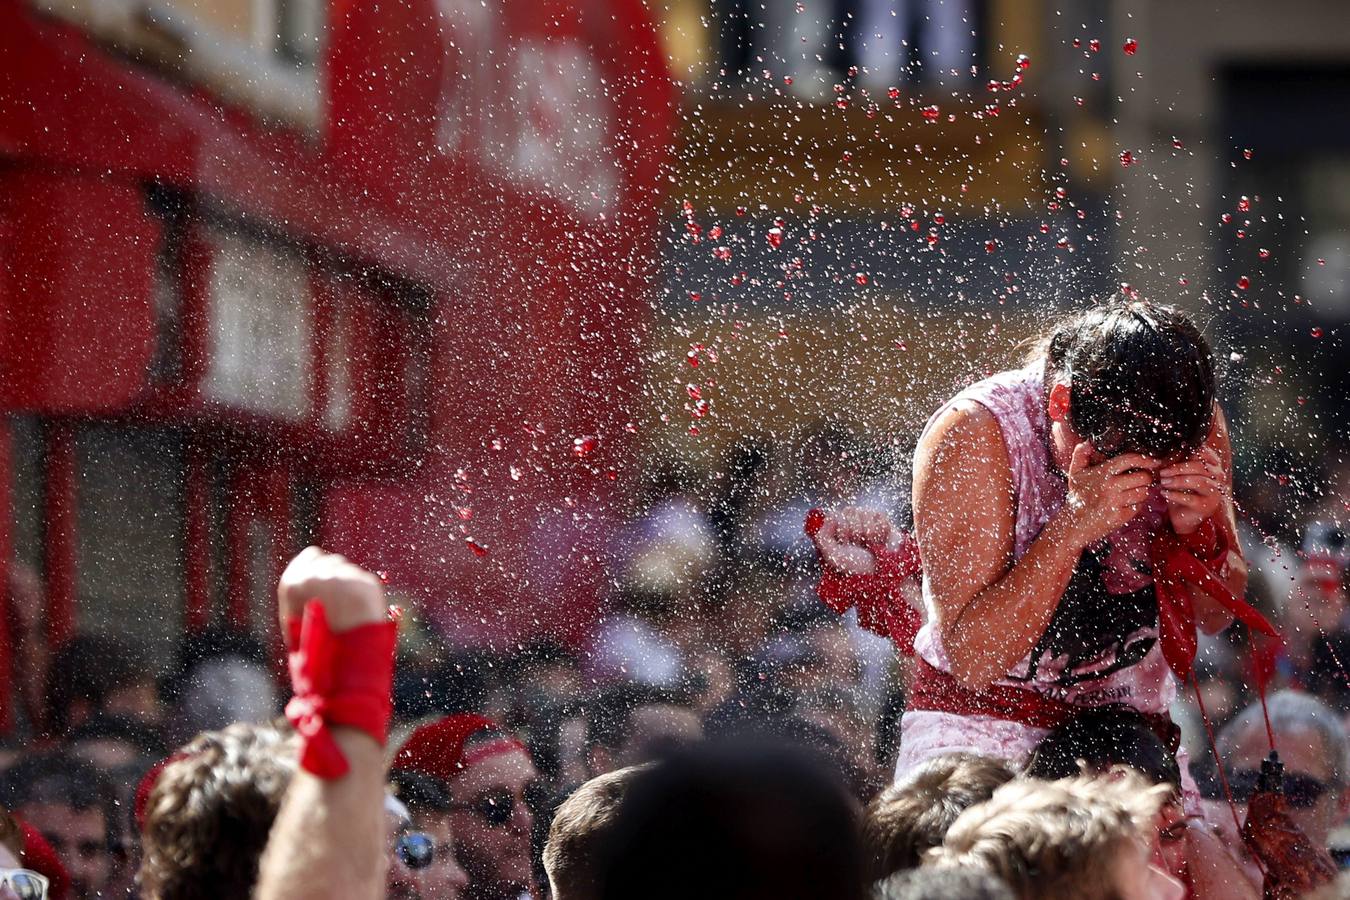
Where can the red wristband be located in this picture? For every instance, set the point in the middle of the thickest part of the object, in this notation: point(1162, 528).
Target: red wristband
point(339, 679)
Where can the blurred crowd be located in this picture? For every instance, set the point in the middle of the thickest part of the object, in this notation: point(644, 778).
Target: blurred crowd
point(714, 638)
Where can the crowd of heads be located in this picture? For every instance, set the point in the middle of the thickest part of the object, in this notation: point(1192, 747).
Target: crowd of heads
point(719, 712)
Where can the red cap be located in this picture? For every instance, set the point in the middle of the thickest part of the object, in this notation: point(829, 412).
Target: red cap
point(437, 748)
point(39, 856)
point(148, 782)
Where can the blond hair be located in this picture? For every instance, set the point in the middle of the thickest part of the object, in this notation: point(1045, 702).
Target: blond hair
point(1054, 838)
point(582, 823)
point(912, 816)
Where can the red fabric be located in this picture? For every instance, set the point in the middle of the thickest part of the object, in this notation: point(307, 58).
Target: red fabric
point(937, 691)
point(882, 608)
point(437, 748)
point(1176, 570)
point(339, 679)
point(39, 856)
point(148, 782)
point(1293, 864)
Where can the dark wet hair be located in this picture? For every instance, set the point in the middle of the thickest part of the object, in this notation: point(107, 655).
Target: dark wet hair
point(1102, 739)
point(1140, 375)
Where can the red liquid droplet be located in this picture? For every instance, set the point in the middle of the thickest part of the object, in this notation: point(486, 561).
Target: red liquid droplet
point(1126, 158)
point(477, 548)
point(1243, 283)
point(990, 246)
point(1246, 154)
point(584, 444)
point(1244, 204)
point(1094, 45)
point(1077, 42)
point(1131, 47)
point(695, 296)
point(1226, 218)
point(932, 240)
point(775, 237)
point(1317, 333)
point(1023, 62)
point(939, 219)
point(787, 79)
point(714, 232)
point(1183, 281)
point(893, 93)
point(932, 113)
point(860, 278)
point(1176, 144)
point(1321, 262)
point(1263, 253)
point(723, 253)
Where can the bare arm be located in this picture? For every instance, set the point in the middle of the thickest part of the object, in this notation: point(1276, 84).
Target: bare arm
point(327, 840)
point(990, 613)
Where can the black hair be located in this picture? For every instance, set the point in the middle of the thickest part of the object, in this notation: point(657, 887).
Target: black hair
point(1140, 375)
point(1102, 738)
point(737, 820)
point(609, 713)
point(419, 792)
point(59, 779)
point(88, 668)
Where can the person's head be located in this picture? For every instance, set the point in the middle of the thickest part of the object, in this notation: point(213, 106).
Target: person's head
point(1099, 740)
point(1129, 376)
point(96, 673)
point(1073, 839)
point(582, 824)
point(942, 883)
point(428, 803)
point(630, 724)
point(114, 742)
point(490, 777)
point(18, 881)
point(73, 806)
point(744, 821)
point(1312, 746)
point(209, 813)
point(912, 816)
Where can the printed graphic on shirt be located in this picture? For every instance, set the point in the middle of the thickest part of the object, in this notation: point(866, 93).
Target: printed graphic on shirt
point(1094, 633)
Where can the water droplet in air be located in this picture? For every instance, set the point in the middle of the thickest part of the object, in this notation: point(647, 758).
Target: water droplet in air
point(801, 7)
point(932, 113)
point(775, 237)
point(695, 296)
point(1094, 45)
point(1244, 204)
point(860, 278)
point(1023, 62)
point(1243, 283)
point(1176, 144)
point(893, 93)
point(1263, 253)
point(787, 80)
point(990, 246)
point(1226, 218)
point(939, 219)
point(1126, 158)
point(477, 548)
point(1317, 333)
point(1247, 154)
point(1321, 262)
point(1131, 47)
point(584, 444)
point(722, 253)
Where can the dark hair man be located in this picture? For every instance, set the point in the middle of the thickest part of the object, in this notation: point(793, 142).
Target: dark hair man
point(74, 808)
point(581, 827)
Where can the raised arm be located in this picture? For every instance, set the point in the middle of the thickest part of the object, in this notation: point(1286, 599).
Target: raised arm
point(328, 837)
point(989, 612)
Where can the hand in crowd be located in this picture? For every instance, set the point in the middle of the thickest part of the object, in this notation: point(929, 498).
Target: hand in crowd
point(1105, 495)
point(1194, 489)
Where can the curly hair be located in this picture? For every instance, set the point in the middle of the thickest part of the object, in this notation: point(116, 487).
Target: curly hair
point(913, 815)
point(209, 813)
point(1054, 838)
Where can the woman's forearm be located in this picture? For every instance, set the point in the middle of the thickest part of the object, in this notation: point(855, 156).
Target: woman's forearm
point(1002, 623)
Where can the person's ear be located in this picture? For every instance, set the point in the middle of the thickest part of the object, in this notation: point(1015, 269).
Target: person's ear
point(1058, 403)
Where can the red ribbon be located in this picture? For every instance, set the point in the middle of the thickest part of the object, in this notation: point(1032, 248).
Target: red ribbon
point(882, 608)
point(1177, 569)
point(338, 679)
